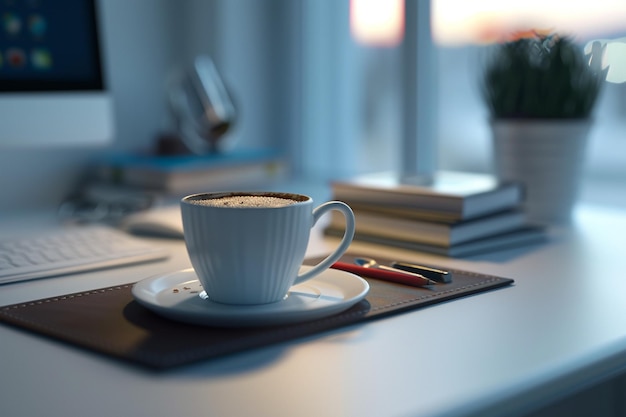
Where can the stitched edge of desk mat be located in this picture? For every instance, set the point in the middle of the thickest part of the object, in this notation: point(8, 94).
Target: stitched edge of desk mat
point(109, 321)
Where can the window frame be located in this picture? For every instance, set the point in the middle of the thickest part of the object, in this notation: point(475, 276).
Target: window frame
point(331, 93)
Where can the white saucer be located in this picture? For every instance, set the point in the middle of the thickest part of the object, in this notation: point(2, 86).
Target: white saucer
point(179, 296)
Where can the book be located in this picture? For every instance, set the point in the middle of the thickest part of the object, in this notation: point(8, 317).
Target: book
point(451, 196)
point(189, 173)
point(409, 228)
point(525, 235)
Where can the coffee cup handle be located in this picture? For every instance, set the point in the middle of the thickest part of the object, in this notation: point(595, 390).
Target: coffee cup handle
point(343, 245)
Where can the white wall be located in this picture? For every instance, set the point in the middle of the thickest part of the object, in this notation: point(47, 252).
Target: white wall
point(141, 45)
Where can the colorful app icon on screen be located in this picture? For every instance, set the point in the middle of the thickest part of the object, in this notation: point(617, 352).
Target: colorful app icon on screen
point(16, 57)
point(12, 23)
point(41, 59)
point(37, 25)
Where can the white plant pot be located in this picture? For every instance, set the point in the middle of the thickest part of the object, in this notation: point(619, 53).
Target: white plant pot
point(547, 156)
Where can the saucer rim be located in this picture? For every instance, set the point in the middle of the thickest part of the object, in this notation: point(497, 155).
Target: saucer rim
point(223, 315)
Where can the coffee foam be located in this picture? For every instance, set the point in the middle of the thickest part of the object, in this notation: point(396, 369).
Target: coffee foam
point(244, 201)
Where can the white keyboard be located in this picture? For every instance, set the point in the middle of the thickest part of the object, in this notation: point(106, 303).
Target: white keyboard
point(71, 250)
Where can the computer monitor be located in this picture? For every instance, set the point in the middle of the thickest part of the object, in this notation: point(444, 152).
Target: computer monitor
point(52, 89)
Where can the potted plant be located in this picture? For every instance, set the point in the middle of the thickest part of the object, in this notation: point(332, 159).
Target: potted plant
point(541, 90)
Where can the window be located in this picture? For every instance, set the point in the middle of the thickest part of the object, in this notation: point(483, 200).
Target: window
point(361, 107)
point(354, 98)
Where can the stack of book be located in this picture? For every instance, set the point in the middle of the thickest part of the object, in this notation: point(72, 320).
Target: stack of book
point(184, 174)
point(457, 214)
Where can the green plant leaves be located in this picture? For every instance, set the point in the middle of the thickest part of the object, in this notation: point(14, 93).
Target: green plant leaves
point(540, 77)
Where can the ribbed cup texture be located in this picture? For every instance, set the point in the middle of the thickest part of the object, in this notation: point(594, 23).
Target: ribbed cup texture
point(247, 255)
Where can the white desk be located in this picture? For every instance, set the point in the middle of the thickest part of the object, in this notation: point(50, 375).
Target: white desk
point(561, 327)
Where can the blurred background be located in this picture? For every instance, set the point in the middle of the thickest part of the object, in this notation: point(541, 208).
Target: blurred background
point(327, 82)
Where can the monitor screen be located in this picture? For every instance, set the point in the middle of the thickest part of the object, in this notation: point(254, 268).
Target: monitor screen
point(52, 89)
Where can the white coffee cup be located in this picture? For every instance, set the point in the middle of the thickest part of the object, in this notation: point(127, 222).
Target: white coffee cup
point(248, 247)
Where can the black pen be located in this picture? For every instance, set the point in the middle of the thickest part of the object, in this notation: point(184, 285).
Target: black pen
point(435, 274)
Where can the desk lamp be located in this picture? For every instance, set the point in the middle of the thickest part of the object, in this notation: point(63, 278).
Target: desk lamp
point(202, 107)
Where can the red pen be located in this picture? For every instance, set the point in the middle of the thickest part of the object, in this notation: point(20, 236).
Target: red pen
point(406, 278)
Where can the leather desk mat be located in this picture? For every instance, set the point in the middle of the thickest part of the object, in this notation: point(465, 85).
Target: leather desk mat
point(109, 321)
